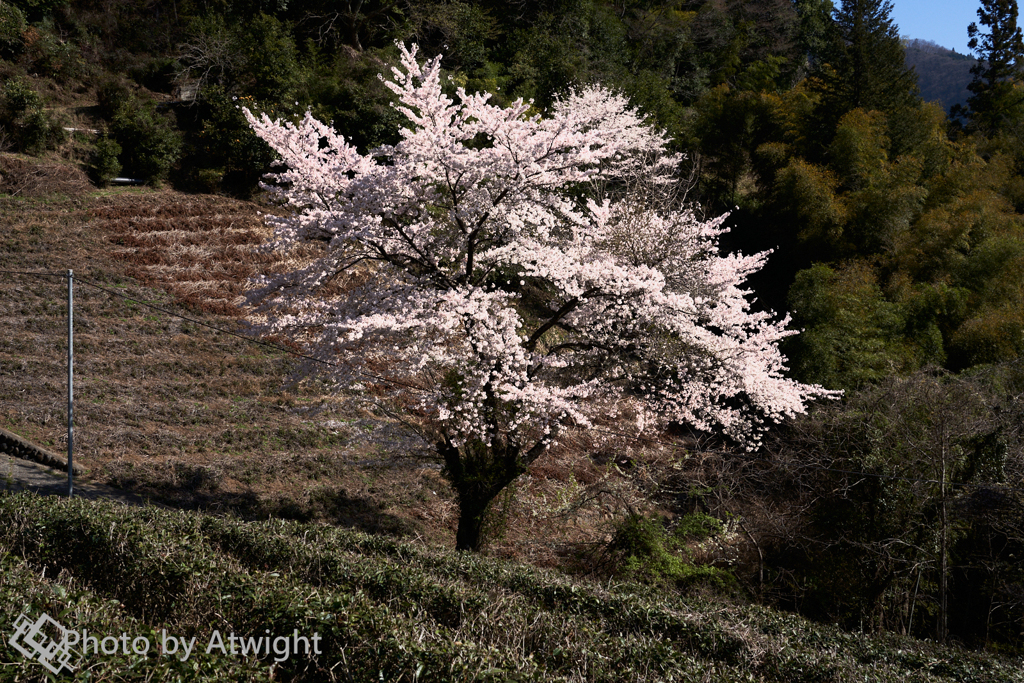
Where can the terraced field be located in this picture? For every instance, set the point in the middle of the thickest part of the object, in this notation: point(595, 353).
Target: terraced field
point(168, 408)
point(165, 406)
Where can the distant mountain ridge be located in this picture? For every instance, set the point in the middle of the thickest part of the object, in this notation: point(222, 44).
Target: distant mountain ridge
point(942, 74)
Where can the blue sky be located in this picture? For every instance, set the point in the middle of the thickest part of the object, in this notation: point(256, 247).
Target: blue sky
point(940, 21)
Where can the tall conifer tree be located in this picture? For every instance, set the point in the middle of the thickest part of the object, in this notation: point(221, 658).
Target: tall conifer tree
point(814, 19)
point(863, 66)
point(868, 58)
point(997, 100)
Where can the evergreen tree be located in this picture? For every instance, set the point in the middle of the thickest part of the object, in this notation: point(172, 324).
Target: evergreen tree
point(768, 26)
point(864, 67)
point(996, 100)
point(814, 19)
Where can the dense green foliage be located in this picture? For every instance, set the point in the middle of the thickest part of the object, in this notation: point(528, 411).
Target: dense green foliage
point(149, 146)
point(644, 549)
point(104, 165)
point(910, 497)
point(995, 102)
point(386, 610)
point(12, 27)
point(27, 127)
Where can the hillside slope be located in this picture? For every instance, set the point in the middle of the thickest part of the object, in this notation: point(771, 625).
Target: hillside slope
point(385, 610)
point(165, 406)
point(169, 408)
point(942, 75)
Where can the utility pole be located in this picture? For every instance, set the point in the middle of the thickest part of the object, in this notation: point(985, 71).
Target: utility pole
point(944, 551)
point(71, 380)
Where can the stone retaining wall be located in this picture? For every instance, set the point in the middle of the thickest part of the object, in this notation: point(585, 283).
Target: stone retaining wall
point(12, 444)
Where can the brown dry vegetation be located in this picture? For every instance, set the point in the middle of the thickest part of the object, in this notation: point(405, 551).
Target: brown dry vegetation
point(194, 417)
point(22, 176)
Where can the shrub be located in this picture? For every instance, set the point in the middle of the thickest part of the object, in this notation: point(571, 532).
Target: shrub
point(103, 165)
point(348, 92)
point(12, 30)
point(223, 153)
point(18, 97)
point(646, 551)
point(36, 132)
point(269, 63)
point(112, 95)
point(21, 113)
point(697, 526)
point(53, 57)
point(149, 146)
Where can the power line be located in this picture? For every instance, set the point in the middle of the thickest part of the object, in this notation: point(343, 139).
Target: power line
point(221, 330)
point(35, 273)
point(243, 337)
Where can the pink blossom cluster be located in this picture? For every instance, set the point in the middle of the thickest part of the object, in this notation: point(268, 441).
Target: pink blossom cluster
point(493, 260)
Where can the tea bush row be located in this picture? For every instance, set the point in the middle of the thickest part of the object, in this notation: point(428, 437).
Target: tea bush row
point(407, 612)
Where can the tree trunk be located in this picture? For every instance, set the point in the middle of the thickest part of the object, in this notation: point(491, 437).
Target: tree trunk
point(478, 474)
point(471, 523)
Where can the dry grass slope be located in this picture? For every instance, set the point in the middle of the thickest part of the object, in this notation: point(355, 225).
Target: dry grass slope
point(166, 407)
point(192, 417)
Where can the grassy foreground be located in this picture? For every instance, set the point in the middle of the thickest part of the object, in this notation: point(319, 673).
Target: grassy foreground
point(385, 610)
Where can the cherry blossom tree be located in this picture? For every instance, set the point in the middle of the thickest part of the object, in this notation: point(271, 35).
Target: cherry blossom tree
point(510, 275)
